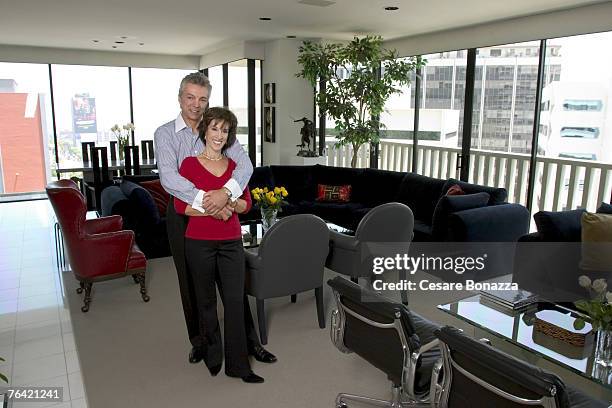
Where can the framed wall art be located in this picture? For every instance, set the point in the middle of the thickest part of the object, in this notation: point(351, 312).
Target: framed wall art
point(269, 124)
point(270, 93)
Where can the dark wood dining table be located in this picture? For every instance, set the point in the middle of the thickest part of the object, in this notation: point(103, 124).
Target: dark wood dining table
point(113, 165)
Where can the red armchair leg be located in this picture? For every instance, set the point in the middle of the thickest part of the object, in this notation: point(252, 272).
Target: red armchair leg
point(87, 299)
point(140, 277)
point(80, 289)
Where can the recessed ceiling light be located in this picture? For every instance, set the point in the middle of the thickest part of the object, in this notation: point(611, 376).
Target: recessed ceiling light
point(140, 43)
point(391, 8)
point(265, 18)
point(119, 42)
point(291, 36)
point(123, 37)
point(95, 41)
point(114, 46)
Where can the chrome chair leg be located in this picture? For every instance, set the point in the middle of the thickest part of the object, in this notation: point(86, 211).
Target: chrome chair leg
point(343, 399)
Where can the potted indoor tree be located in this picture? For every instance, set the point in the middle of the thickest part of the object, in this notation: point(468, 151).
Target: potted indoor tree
point(360, 77)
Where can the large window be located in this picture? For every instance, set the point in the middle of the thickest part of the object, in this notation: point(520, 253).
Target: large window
point(238, 98)
point(88, 100)
point(215, 74)
point(578, 121)
point(507, 78)
point(155, 99)
point(26, 129)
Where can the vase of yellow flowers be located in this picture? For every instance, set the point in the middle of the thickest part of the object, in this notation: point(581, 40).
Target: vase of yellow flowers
point(123, 135)
point(269, 202)
point(599, 311)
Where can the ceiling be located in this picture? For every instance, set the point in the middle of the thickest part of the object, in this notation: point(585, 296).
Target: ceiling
point(195, 27)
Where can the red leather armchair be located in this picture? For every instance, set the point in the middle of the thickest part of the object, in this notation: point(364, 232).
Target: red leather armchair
point(97, 249)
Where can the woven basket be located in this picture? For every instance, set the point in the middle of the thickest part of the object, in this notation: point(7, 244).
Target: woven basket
point(559, 333)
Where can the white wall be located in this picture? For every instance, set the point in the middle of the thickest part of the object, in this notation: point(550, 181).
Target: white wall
point(41, 55)
point(294, 99)
point(580, 20)
point(239, 51)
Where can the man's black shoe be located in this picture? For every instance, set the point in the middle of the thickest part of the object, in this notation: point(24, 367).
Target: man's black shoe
point(261, 354)
point(250, 378)
point(196, 355)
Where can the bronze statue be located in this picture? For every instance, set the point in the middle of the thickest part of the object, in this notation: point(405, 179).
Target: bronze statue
point(307, 132)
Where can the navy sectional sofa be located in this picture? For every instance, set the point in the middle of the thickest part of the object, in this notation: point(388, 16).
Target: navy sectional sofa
point(497, 221)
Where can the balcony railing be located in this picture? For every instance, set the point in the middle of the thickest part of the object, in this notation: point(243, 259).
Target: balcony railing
point(560, 184)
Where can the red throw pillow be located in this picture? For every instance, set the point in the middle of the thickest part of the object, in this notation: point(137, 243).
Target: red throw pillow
point(158, 193)
point(454, 190)
point(334, 193)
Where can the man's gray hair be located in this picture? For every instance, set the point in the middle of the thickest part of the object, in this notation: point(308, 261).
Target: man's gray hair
point(196, 78)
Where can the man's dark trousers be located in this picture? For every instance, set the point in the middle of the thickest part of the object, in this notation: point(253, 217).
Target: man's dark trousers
point(176, 225)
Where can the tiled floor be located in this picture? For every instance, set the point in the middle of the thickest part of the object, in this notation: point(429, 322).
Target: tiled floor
point(35, 331)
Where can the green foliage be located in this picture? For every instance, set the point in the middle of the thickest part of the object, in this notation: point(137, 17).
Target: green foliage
point(599, 312)
point(355, 101)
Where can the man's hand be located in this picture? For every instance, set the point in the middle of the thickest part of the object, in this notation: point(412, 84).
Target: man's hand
point(215, 200)
point(224, 213)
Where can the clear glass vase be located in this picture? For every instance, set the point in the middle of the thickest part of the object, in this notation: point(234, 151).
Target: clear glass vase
point(121, 148)
point(603, 348)
point(268, 217)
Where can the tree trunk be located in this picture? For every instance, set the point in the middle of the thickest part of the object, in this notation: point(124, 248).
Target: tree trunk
point(355, 153)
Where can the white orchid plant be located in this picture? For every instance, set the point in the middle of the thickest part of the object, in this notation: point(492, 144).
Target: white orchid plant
point(599, 308)
point(122, 134)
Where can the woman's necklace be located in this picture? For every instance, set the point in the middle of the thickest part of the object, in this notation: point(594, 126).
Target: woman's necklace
point(211, 158)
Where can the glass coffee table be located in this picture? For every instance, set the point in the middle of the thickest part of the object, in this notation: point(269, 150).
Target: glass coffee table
point(252, 232)
point(520, 337)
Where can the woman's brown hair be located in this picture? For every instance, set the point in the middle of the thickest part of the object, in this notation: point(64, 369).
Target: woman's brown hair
point(219, 114)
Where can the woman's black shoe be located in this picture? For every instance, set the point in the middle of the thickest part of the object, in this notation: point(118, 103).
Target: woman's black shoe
point(250, 378)
point(195, 355)
point(214, 370)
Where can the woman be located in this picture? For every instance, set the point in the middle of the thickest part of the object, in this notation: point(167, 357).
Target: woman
point(215, 246)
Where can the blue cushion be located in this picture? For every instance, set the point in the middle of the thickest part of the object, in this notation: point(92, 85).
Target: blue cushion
point(562, 226)
point(451, 204)
point(142, 200)
point(497, 195)
point(605, 208)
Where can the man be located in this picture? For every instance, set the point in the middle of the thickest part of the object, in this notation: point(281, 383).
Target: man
point(174, 141)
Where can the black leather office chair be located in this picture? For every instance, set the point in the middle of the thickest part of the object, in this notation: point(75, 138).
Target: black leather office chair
point(472, 373)
point(290, 259)
point(390, 337)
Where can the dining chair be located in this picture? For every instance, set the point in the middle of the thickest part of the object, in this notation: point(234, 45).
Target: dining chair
point(113, 150)
point(148, 152)
point(86, 151)
point(101, 178)
point(132, 160)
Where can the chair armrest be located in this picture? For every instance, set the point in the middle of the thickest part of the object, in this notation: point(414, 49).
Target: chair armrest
point(104, 254)
point(253, 261)
point(343, 241)
point(104, 224)
point(496, 223)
